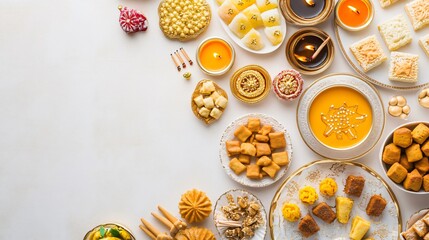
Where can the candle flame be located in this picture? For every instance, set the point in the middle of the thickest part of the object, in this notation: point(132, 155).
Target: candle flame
point(302, 58)
point(355, 10)
point(310, 47)
point(310, 3)
point(216, 55)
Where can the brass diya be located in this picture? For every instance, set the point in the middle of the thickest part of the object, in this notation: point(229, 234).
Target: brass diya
point(297, 50)
point(250, 84)
point(301, 18)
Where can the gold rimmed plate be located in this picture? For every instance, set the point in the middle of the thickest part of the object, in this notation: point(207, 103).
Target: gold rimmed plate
point(229, 135)
point(379, 75)
point(386, 226)
point(250, 84)
point(340, 116)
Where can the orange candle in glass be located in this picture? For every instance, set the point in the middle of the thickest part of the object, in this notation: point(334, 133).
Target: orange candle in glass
point(354, 15)
point(215, 56)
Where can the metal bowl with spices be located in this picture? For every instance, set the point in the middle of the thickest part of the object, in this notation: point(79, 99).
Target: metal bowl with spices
point(306, 13)
point(302, 45)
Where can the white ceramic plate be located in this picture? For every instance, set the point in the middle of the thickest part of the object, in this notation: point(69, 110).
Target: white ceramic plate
point(229, 135)
point(379, 75)
point(268, 46)
point(385, 227)
point(223, 201)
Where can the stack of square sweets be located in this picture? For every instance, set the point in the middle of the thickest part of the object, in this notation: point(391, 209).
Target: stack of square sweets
point(257, 141)
point(419, 230)
point(407, 157)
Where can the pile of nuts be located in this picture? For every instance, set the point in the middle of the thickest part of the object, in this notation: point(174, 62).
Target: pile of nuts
point(246, 213)
point(424, 98)
point(398, 107)
point(183, 19)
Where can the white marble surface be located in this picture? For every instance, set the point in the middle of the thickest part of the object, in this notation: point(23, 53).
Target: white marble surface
point(96, 125)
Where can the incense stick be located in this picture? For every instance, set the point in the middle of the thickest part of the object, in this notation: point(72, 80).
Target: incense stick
point(186, 55)
point(319, 49)
point(175, 62)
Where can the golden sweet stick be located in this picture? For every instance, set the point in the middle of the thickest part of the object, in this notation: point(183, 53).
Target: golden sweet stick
point(147, 232)
point(151, 228)
point(163, 220)
point(168, 215)
point(180, 58)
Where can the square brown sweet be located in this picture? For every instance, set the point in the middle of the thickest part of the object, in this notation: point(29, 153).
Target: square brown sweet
point(405, 163)
point(271, 169)
point(425, 148)
point(402, 137)
point(426, 187)
point(376, 205)
point(242, 133)
point(324, 212)
point(263, 161)
point(265, 130)
point(422, 165)
point(233, 148)
point(281, 158)
point(253, 171)
point(262, 149)
point(248, 149)
point(307, 226)
point(262, 138)
point(414, 153)
point(420, 133)
point(413, 181)
point(244, 159)
point(397, 173)
point(236, 166)
point(391, 154)
point(254, 124)
point(354, 185)
point(277, 140)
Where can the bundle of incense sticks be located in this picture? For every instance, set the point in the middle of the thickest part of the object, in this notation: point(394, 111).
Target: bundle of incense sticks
point(179, 62)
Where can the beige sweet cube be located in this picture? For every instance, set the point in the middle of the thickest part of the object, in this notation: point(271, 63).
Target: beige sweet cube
point(424, 43)
point(404, 67)
point(386, 3)
point(368, 53)
point(395, 32)
point(417, 11)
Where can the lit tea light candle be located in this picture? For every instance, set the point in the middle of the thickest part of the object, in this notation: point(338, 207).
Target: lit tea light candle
point(215, 56)
point(307, 8)
point(354, 15)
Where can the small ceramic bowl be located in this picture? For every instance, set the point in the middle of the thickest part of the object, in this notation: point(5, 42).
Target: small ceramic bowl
point(89, 235)
point(388, 140)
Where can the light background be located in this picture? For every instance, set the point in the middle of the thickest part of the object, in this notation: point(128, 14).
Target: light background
point(96, 125)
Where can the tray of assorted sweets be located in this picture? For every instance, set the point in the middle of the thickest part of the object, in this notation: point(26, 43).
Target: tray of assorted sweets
point(255, 25)
point(331, 199)
point(393, 51)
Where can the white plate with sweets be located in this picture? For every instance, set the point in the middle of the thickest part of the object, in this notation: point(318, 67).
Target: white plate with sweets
point(255, 150)
point(394, 31)
point(255, 25)
point(338, 199)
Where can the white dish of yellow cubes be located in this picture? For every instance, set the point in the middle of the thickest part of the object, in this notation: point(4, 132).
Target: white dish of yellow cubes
point(228, 135)
point(255, 25)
